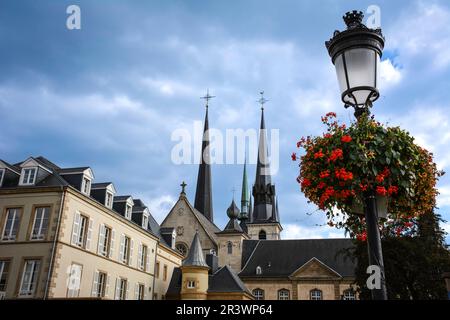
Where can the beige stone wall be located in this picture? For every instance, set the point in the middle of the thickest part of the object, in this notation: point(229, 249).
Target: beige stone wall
point(272, 231)
point(91, 261)
point(201, 278)
point(186, 224)
point(270, 287)
point(165, 258)
point(233, 259)
point(22, 248)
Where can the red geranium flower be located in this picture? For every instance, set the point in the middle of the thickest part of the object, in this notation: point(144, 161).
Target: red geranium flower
point(336, 154)
point(381, 191)
point(392, 190)
point(346, 139)
point(319, 154)
point(294, 157)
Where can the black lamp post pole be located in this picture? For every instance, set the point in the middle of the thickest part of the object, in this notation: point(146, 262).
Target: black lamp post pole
point(374, 244)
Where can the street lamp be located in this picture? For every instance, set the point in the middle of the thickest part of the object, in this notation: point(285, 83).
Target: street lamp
point(356, 54)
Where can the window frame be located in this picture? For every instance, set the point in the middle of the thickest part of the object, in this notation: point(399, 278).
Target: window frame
point(284, 291)
point(260, 295)
point(145, 218)
point(128, 211)
point(106, 245)
point(123, 283)
point(4, 274)
point(83, 231)
point(17, 217)
point(353, 295)
point(144, 253)
point(2, 175)
point(157, 265)
point(315, 297)
point(86, 182)
point(141, 291)
point(36, 274)
point(25, 175)
point(190, 284)
point(101, 285)
point(262, 232)
point(126, 249)
point(109, 199)
point(165, 272)
point(43, 235)
point(80, 280)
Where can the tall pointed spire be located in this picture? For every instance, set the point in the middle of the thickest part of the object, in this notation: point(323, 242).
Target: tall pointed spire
point(263, 189)
point(203, 193)
point(244, 195)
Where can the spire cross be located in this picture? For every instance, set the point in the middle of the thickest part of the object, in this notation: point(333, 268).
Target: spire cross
point(262, 100)
point(207, 97)
point(183, 187)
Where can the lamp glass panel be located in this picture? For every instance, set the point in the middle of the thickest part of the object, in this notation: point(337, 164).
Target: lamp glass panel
point(361, 69)
point(340, 72)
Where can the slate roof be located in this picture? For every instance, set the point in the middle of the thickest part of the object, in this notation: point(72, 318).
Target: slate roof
point(223, 280)
point(100, 185)
point(195, 256)
point(280, 258)
point(72, 170)
point(121, 198)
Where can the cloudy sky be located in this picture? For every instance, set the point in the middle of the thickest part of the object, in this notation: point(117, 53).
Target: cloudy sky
point(111, 94)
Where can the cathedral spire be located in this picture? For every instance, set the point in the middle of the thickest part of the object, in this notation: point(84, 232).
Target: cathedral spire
point(244, 195)
point(263, 189)
point(203, 193)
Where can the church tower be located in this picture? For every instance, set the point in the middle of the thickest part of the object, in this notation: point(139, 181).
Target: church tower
point(194, 273)
point(230, 240)
point(203, 193)
point(245, 200)
point(264, 223)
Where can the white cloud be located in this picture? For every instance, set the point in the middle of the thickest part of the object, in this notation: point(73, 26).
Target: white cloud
point(160, 206)
point(390, 75)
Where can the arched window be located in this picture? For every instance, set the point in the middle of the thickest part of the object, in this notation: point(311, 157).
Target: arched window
point(230, 248)
point(258, 294)
point(283, 294)
point(181, 248)
point(258, 270)
point(315, 294)
point(349, 294)
point(262, 235)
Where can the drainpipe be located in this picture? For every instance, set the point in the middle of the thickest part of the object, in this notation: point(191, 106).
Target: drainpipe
point(154, 270)
point(52, 257)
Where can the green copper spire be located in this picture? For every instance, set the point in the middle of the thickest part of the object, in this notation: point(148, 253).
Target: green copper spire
point(245, 195)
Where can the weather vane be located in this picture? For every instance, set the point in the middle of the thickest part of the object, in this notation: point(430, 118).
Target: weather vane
point(262, 100)
point(207, 97)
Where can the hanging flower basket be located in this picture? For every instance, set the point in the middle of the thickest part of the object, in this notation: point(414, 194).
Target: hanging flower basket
point(341, 167)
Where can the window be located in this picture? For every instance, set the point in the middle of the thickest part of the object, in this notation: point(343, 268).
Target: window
point(258, 294)
point(315, 294)
point(191, 284)
point(86, 186)
point(28, 176)
point(109, 199)
point(145, 221)
point(126, 246)
point(104, 241)
point(140, 291)
point(262, 235)
point(181, 248)
point(283, 294)
point(11, 226)
point(100, 287)
point(29, 278)
point(143, 258)
point(230, 248)
point(349, 295)
point(258, 270)
point(128, 211)
point(2, 174)
point(165, 273)
point(157, 270)
point(4, 269)
point(40, 224)
point(121, 289)
point(73, 284)
point(80, 230)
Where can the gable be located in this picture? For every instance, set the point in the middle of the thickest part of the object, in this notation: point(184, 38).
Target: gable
point(315, 268)
point(185, 216)
point(31, 162)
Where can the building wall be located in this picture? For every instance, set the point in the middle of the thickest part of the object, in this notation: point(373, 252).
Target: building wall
point(233, 259)
point(165, 258)
point(186, 224)
point(272, 231)
point(201, 277)
point(90, 260)
point(22, 248)
point(67, 254)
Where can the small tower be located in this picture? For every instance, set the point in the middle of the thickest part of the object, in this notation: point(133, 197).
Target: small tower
point(230, 240)
point(245, 203)
point(194, 273)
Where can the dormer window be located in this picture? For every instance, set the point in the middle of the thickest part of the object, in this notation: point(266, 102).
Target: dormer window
point(145, 221)
point(109, 200)
point(128, 212)
point(86, 186)
point(258, 270)
point(28, 176)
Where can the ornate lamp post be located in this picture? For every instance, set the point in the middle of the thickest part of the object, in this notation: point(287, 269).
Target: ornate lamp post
point(356, 54)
